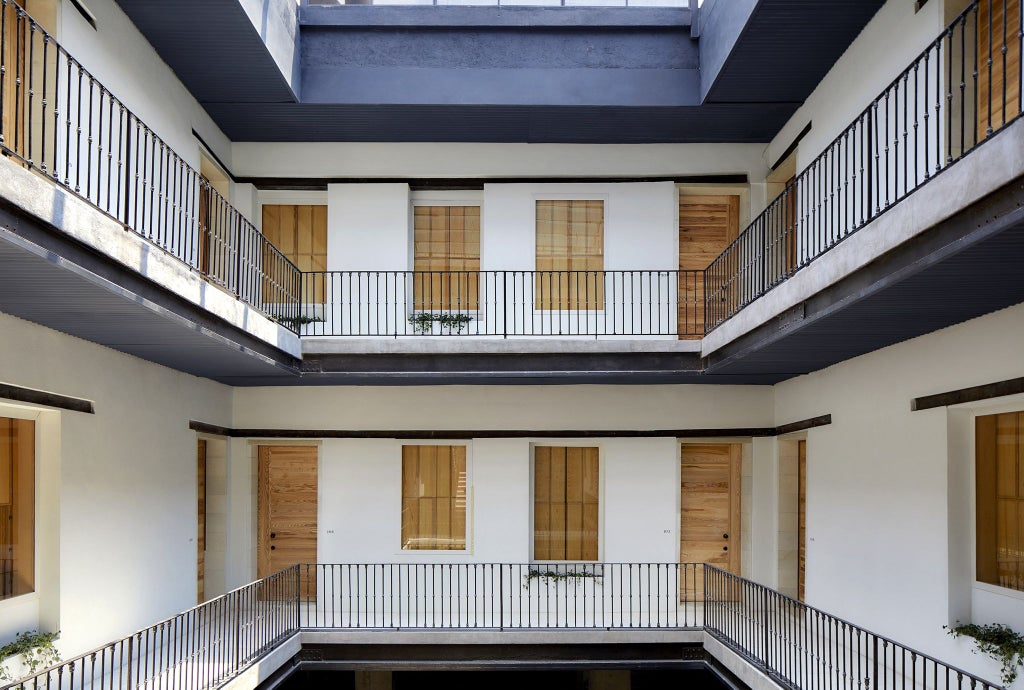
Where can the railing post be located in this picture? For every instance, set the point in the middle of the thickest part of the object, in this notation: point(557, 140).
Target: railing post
point(131, 648)
point(237, 630)
point(504, 303)
point(298, 596)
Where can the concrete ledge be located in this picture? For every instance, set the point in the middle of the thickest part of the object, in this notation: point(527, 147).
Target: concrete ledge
point(582, 18)
point(53, 205)
point(323, 345)
point(737, 665)
point(251, 677)
point(984, 170)
point(500, 637)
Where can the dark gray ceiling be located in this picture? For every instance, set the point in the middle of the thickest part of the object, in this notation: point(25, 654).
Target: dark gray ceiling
point(606, 75)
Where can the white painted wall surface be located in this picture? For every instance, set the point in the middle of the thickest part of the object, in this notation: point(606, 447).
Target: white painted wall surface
point(888, 44)
point(127, 484)
point(889, 491)
point(121, 58)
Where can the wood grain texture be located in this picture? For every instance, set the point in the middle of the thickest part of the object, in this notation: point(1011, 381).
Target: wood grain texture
point(286, 530)
point(801, 519)
point(998, 83)
point(570, 255)
point(446, 249)
point(15, 71)
point(17, 507)
point(434, 497)
point(707, 224)
point(299, 231)
point(710, 505)
point(201, 522)
point(566, 503)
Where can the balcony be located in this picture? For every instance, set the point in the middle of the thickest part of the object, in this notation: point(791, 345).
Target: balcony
point(747, 627)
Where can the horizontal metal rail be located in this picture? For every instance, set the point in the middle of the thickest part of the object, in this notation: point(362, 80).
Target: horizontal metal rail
point(802, 647)
point(502, 596)
point(59, 120)
point(798, 646)
point(503, 303)
point(963, 88)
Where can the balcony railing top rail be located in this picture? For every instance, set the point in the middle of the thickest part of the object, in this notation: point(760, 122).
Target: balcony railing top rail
point(691, 4)
point(798, 646)
point(61, 121)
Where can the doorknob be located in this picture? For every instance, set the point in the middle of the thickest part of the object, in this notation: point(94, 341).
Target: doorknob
point(274, 535)
point(724, 536)
point(724, 548)
point(273, 548)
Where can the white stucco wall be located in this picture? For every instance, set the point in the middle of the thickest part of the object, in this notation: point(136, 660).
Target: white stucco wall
point(117, 489)
point(890, 507)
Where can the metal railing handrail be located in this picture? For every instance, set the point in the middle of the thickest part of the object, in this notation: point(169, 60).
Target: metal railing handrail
point(175, 210)
point(735, 610)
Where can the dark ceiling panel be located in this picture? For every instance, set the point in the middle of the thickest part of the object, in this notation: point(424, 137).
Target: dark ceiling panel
point(787, 47)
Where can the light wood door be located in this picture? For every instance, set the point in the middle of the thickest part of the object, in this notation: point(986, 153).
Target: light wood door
point(201, 522)
point(998, 85)
point(300, 233)
point(287, 509)
point(710, 506)
point(801, 519)
point(707, 224)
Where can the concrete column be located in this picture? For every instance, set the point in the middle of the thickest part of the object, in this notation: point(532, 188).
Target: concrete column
point(240, 530)
point(764, 510)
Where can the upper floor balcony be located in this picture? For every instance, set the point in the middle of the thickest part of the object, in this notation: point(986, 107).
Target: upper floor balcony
point(618, 262)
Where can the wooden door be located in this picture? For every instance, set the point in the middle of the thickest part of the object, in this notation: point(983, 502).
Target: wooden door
point(286, 510)
point(998, 85)
point(709, 529)
point(300, 233)
point(707, 224)
point(201, 522)
point(801, 519)
point(14, 83)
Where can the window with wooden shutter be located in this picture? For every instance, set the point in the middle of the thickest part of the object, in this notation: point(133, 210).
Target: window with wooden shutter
point(434, 498)
point(570, 255)
point(565, 503)
point(999, 483)
point(446, 257)
point(300, 233)
point(17, 507)
point(998, 83)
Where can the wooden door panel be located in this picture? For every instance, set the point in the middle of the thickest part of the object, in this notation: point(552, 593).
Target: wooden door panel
point(710, 506)
point(287, 510)
point(201, 526)
point(707, 224)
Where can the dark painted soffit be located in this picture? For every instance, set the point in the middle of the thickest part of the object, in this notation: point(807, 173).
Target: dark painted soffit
point(787, 47)
point(213, 48)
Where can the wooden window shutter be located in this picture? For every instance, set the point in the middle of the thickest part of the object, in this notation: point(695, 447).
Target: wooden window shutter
point(446, 258)
point(570, 255)
point(999, 483)
point(300, 233)
point(434, 498)
point(565, 504)
point(17, 507)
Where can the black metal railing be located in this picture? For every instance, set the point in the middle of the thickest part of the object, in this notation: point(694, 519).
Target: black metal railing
point(59, 120)
point(798, 646)
point(197, 649)
point(502, 595)
point(503, 303)
point(802, 647)
point(964, 87)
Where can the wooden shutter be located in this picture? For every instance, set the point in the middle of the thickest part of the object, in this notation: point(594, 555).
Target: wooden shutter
point(707, 224)
point(201, 522)
point(565, 504)
point(446, 257)
point(17, 507)
point(999, 481)
point(15, 40)
point(570, 255)
point(434, 498)
point(300, 233)
point(998, 86)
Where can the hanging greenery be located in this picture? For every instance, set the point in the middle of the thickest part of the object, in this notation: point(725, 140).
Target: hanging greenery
point(36, 650)
point(998, 641)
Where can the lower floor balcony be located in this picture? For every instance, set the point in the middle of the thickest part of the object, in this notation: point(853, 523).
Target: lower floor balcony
point(606, 304)
point(278, 623)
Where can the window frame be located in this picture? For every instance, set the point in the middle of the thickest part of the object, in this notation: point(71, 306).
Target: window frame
point(474, 306)
point(600, 300)
point(568, 443)
point(433, 553)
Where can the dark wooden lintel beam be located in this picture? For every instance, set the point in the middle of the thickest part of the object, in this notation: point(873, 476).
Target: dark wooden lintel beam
point(966, 395)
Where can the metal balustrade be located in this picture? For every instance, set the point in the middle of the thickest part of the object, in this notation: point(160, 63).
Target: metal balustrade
point(798, 646)
point(964, 87)
point(62, 122)
point(503, 303)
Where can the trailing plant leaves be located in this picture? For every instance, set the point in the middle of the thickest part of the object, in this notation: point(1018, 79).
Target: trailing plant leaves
point(998, 641)
point(423, 322)
point(35, 648)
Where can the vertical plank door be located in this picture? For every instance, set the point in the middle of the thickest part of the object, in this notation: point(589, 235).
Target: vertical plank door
point(201, 522)
point(286, 510)
point(710, 507)
point(707, 224)
point(998, 84)
point(801, 519)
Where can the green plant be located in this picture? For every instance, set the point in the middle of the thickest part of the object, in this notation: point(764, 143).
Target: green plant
point(299, 320)
point(559, 575)
point(423, 321)
point(998, 641)
point(36, 650)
